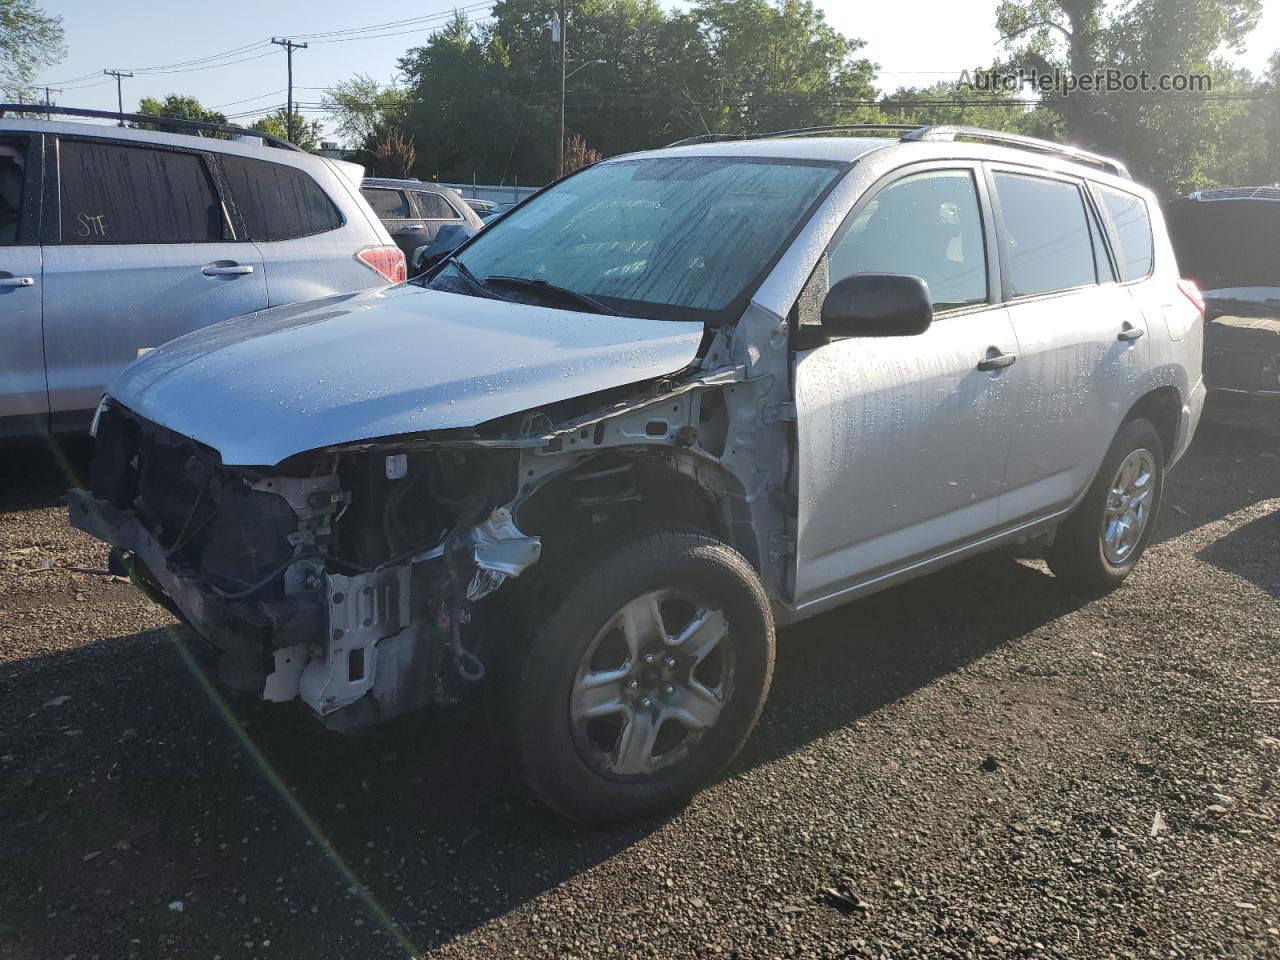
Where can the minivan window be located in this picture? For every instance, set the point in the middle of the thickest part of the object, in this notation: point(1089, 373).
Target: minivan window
point(1046, 235)
point(112, 194)
point(435, 207)
point(388, 204)
point(928, 225)
point(1130, 229)
point(674, 233)
point(13, 161)
point(277, 202)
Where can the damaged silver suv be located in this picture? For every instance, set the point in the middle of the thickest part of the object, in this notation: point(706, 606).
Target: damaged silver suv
point(587, 464)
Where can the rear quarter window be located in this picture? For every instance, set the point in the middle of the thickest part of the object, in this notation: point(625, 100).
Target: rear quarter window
point(115, 194)
point(277, 202)
point(1129, 225)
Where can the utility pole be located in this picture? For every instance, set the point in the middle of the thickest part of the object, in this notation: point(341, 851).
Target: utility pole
point(564, 49)
point(48, 101)
point(119, 91)
point(289, 47)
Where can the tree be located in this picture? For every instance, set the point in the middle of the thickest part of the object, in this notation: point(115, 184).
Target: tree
point(362, 109)
point(306, 134)
point(395, 154)
point(30, 40)
point(179, 107)
point(578, 155)
point(1175, 142)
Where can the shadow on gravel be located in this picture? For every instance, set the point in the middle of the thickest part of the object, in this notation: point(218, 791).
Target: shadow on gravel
point(36, 473)
point(143, 789)
point(230, 809)
point(1248, 551)
point(1227, 469)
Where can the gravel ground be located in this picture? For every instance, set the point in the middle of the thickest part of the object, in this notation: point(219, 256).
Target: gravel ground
point(977, 764)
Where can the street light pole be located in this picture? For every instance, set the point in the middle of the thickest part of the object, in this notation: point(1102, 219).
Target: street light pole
point(564, 30)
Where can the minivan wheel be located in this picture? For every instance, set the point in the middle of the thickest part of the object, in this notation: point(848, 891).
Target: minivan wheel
point(1105, 536)
point(641, 679)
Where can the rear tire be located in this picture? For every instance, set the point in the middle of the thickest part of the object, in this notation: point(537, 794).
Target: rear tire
point(1100, 543)
point(640, 680)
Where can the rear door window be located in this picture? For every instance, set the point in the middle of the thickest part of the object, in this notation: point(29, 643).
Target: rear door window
point(1046, 234)
point(435, 207)
point(277, 202)
point(13, 180)
point(388, 204)
point(114, 194)
point(1129, 224)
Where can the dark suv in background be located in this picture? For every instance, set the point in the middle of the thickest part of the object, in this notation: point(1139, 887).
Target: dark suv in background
point(1227, 241)
point(414, 211)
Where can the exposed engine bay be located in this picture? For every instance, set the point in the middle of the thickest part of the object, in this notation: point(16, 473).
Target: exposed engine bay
point(367, 580)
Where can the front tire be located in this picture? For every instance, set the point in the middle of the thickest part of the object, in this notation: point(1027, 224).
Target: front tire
point(1105, 536)
point(642, 679)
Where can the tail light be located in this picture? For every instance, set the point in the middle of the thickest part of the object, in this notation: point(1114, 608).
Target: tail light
point(1192, 293)
point(388, 261)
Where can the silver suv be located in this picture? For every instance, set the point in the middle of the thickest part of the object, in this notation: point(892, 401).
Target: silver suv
point(590, 462)
point(114, 240)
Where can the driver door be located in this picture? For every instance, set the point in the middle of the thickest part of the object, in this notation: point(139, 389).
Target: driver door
point(903, 441)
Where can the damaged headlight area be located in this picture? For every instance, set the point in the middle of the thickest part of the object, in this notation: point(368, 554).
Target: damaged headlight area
point(349, 580)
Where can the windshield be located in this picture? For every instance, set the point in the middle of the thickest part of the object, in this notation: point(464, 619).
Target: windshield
point(1226, 243)
point(690, 233)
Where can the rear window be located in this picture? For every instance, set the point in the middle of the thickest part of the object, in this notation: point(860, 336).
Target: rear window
point(435, 207)
point(387, 204)
point(113, 194)
point(1129, 225)
point(278, 202)
point(13, 163)
point(1046, 234)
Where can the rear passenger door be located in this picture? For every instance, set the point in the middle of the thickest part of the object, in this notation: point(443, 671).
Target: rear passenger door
point(1076, 376)
point(398, 215)
point(308, 248)
point(24, 397)
point(435, 211)
point(140, 250)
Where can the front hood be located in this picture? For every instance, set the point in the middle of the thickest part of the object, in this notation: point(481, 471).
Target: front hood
point(262, 387)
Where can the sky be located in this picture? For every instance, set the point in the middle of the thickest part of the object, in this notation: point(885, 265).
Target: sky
point(142, 35)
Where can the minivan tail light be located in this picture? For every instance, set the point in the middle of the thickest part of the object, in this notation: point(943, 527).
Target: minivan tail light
point(1192, 293)
point(387, 260)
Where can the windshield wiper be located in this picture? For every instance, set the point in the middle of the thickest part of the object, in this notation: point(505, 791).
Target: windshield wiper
point(542, 286)
point(472, 280)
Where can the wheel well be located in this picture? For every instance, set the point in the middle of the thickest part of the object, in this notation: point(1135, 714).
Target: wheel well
point(1163, 407)
point(618, 492)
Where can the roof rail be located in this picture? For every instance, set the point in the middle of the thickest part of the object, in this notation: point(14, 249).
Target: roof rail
point(918, 133)
point(947, 132)
point(797, 132)
point(197, 126)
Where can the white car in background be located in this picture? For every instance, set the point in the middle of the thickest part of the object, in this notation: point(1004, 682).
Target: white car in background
point(114, 240)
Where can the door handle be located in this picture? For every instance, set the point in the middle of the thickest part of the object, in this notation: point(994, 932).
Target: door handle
point(17, 281)
point(1129, 334)
point(235, 270)
point(411, 228)
point(998, 362)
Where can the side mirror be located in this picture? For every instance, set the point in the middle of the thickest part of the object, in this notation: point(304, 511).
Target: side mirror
point(877, 305)
point(449, 238)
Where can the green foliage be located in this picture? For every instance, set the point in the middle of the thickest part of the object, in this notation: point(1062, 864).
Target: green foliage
point(305, 134)
point(1176, 142)
point(30, 40)
point(181, 108)
point(484, 99)
point(362, 109)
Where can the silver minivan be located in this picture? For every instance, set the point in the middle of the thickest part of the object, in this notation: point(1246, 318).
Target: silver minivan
point(114, 240)
point(590, 462)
